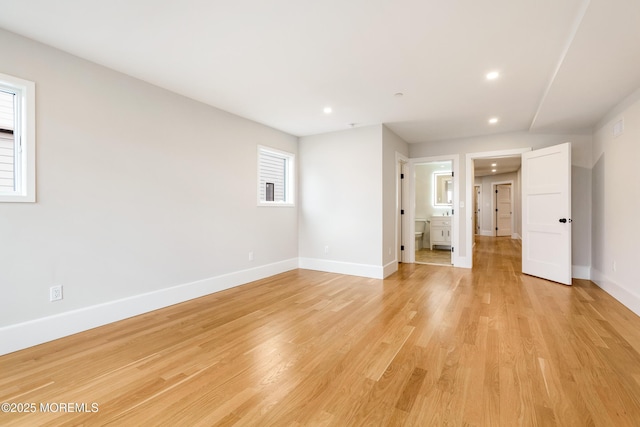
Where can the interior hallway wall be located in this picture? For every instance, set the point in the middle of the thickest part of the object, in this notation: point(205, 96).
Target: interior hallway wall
point(341, 201)
point(616, 203)
point(348, 201)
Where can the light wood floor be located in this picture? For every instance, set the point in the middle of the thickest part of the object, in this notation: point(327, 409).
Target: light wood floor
point(435, 256)
point(429, 346)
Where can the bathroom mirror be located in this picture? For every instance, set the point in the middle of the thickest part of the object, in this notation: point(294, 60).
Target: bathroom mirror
point(443, 189)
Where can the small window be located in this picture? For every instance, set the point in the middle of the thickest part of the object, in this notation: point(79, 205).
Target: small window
point(17, 140)
point(275, 177)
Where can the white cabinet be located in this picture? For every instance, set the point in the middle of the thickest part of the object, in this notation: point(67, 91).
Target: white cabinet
point(440, 231)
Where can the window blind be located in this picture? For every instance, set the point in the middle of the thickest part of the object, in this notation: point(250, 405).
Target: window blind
point(7, 142)
point(273, 170)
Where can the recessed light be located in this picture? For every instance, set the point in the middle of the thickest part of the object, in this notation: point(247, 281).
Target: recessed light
point(493, 120)
point(493, 75)
point(493, 165)
point(351, 125)
point(327, 110)
point(398, 94)
point(493, 170)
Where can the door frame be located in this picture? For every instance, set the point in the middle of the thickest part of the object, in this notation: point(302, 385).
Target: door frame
point(469, 182)
point(457, 217)
point(494, 223)
point(402, 166)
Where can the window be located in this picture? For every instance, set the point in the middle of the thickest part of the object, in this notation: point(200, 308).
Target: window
point(275, 177)
point(17, 140)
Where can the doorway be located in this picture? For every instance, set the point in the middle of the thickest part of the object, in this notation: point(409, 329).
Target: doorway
point(477, 202)
point(433, 212)
point(480, 168)
point(503, 202)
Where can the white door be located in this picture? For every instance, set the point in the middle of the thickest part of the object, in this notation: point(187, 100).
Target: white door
point(503, 210)
point(546, 213)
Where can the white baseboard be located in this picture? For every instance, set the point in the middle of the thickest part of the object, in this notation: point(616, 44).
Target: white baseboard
point(490, 233)
point(22, 335)
point(390, 268)
point(581, 272)
point(629, 299)
point(348, 268)
point(462, 261)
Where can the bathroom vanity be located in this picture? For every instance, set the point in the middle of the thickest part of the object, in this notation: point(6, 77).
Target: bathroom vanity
point(440, 231)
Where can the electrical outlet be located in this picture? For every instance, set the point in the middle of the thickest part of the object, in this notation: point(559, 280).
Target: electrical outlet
point(250, 255)
point(55, 293)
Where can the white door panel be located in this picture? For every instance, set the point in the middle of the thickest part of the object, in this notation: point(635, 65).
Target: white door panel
point(546, 200)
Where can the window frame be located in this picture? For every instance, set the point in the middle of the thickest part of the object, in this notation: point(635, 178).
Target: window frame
point(24, 139)
point(290, 174)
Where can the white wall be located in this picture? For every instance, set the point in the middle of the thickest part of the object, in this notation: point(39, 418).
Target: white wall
point(616, 203)
point(139, 190)
point(341, 201)
point(581, 175)
point(423, 174)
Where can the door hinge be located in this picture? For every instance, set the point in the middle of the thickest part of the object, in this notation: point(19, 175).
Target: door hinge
point(496, 228)
point(401, 211)
point(401, 176)
point(452, 174)
point(452, 211)
point(452, 249)
point(496, 191)
point(402, 248)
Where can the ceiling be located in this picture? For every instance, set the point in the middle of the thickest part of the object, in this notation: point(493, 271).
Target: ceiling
point(484, 166)
point(563, 64)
